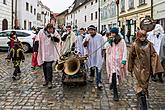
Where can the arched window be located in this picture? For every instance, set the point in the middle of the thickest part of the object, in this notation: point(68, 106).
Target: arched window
point(4, 2)
point(4, 24)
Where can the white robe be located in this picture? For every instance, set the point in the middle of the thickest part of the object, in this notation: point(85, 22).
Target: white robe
point(47, 50)
point(156, 41)
point(95, 57)
point(79, 45)
point(67, 44)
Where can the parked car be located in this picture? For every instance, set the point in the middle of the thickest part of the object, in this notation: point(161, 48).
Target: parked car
point(24, 36)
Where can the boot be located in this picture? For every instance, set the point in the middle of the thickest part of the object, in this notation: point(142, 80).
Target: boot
point(142, 101)
point(115, 92)
point(14, 77)
point(111, 86)
point(92, 74)
point(153, 77)
point(50, 85)
point(45, 83)
point(160, 78)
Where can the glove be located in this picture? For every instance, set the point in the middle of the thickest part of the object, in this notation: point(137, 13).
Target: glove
point(55, 39)
point(86, 43)
point(110, 41)
point(64, 37)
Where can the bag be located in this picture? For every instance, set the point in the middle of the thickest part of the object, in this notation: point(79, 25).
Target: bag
point(34, 60)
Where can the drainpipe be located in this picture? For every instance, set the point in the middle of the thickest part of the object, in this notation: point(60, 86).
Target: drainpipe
point(16, 20)
point(99, 16)
point(12, 12)
point(152, 9)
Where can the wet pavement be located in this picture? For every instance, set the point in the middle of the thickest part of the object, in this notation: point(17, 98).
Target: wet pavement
point(28, 93)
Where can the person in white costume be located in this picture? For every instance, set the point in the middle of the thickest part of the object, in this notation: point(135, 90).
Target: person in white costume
point(94, 46)
point(156, 36)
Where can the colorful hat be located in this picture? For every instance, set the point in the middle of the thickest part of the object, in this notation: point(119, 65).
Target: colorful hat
point(114, 30)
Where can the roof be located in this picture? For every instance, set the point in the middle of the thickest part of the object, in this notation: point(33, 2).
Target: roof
point(63, 13)
point(79, 3)
point(76, 4)
point(55, 14)
point(43, 6)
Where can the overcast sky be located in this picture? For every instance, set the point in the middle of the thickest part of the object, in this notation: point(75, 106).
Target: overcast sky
point(57, 6)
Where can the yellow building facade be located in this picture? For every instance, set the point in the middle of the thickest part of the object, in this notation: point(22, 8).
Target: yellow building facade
point(132, 12)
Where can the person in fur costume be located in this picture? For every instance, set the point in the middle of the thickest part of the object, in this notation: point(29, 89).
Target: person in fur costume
point(143, 61)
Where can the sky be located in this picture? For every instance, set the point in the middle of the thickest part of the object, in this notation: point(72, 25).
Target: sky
point(57, 6)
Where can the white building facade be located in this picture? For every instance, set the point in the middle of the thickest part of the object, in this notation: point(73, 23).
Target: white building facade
point(43, 14)
point(27, 14)
point(82, 14)
point(5, 14)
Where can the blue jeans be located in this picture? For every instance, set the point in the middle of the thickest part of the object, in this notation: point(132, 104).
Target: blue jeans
point(98, 75)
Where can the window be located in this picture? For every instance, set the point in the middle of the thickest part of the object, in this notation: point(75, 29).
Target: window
point(85, 7)
point(25, 24)
point(71, 15)
point(2, 34)
point(85, 18)
point(5, 34)
point(141, 2)
point(104, 0)
point(34, 11)
point(96, 1)
point(131, 4)
point(27, 6)
point(4, 2)
point(30, 25)
point(96, 15)
point(22, 34)
point(31, 9)
point(91, 16)
point(112, 9)
point(76, 21)
point(122, 5)
point(91, 3)
point(38, 16)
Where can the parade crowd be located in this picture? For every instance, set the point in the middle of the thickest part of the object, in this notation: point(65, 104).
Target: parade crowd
point(144, 59)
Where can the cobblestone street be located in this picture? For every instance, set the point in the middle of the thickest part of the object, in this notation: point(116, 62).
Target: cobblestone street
point(28, 93)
